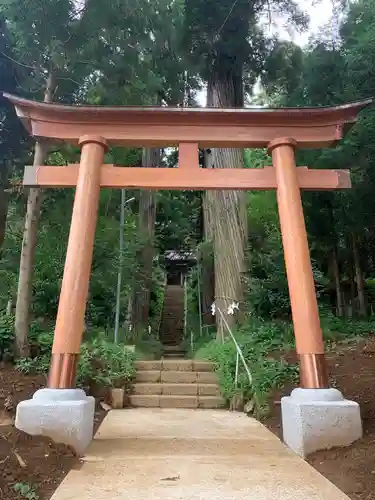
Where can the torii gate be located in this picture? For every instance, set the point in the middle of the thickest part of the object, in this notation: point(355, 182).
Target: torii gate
point(279, 130)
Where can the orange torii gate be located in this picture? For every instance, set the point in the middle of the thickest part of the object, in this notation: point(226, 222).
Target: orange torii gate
point(280, 130)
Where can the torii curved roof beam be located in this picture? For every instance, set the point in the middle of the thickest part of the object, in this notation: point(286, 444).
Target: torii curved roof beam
point(209, 127)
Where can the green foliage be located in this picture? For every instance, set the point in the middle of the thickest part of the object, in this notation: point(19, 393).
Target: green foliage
point(263, 344)
point(113, 364)
point(267, 289)
point(256, 341)
point(282, 69)
point(50, 257)
point(26, 490)
point(101, 362)
point(267, 294)
point(6, 337)
point(335, 328)
point(178, 220)
point(156, 302)
point(40, 338)
point(335, 68)
point(148, 347)
point(12, 133)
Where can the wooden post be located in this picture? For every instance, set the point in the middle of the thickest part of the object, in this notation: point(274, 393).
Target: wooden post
point(75, 284)
point(307, 330)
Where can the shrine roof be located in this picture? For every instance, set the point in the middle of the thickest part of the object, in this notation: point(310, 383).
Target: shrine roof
point(167, 126)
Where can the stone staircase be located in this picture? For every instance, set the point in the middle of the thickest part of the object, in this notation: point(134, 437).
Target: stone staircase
point(176, 384)
point(172, 324)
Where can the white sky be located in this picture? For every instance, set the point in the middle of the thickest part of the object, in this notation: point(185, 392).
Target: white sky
point(320, 13)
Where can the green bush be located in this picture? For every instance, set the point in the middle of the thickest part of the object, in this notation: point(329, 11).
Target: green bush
point(112, 364)
point(335, 328)
point(148, 347)
point(256, 340)
point(100, 361)
point(6, 337)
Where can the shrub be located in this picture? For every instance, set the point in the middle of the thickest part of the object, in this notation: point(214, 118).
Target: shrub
point(148, 347)
point(112, 364)
point(6, 337)
point(255, 341)
point(100, 361)
point(335, 328)
point(258, 339)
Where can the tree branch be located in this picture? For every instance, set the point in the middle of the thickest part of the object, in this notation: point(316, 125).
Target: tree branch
point(17, 62)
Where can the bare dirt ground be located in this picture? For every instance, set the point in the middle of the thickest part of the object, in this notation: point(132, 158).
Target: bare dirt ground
point(36, 463)
point(352, 370)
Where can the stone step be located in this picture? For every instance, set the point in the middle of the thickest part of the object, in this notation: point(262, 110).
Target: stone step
point(176, 377)
point(180, 353)
point(174, 365)
point(176, 389)
point(174, 355)
point(171, 343)
point(148, 376)
point(176, 401)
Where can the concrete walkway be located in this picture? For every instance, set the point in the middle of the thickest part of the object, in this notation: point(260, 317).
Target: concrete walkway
point(170, 454)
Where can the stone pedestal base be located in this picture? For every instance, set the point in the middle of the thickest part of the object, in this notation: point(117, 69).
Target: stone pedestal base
point(319, 419)
point(64, 415)
point(117, 398)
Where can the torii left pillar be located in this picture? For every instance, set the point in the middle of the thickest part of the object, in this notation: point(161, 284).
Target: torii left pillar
point(60, 411)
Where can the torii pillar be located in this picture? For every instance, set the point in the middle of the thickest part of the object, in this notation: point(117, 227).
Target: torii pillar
point(304, 304)
point(314, 416)
point(74, 289)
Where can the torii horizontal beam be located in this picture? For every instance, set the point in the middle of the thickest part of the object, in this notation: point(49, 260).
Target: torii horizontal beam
point(186, 178)
point(209, 127)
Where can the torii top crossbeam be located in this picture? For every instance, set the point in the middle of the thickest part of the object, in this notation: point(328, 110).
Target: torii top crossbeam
point(208, 127)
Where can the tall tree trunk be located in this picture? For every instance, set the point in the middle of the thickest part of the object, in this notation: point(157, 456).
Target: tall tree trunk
point(229, 212)
point(4, 200)
point(34, 203)
point(359, 277)
point(207, 281)
point(336, 276)
point(353, 293)
point(146, 230)
point(207, 254)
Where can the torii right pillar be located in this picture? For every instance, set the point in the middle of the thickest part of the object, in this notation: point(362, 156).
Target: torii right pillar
point(314, 416)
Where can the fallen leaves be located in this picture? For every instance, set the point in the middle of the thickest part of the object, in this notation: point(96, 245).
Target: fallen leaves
point(172, 478)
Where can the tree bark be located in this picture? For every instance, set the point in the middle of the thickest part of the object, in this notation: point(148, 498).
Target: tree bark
point(207, 253)
point(336, 276)
point(4, 200)
point(146, 230)
point(34, 203)
point(228, 213)
point(353, 293)
point(359, 277)
point(207, 279)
